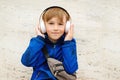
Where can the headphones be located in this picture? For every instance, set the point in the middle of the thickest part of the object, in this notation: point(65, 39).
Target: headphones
point(42, 24)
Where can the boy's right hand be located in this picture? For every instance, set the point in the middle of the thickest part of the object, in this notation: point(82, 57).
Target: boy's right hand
point(38, 31)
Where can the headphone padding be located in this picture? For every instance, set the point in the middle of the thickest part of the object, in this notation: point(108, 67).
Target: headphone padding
point(42, 26)
point(67, 26)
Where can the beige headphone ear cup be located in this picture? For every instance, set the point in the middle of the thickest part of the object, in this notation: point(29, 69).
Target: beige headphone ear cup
point(67, 26)
point(42, 26)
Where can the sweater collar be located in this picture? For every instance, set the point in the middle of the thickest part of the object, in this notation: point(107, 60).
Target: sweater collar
point(60, 40)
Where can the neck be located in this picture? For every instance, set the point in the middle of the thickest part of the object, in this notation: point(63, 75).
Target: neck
point(53, 41)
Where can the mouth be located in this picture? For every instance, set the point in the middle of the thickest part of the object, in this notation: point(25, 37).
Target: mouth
point(55, 33)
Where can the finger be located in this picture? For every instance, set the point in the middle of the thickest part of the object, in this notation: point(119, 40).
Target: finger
point(37, 29)
point(71, 29)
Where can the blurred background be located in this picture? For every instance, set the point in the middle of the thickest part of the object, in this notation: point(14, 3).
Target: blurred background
point(97, 32)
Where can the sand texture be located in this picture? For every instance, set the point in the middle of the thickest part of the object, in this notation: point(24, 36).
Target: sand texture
point(97, 32)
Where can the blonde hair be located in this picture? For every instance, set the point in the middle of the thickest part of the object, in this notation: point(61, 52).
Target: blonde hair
point(57, 12)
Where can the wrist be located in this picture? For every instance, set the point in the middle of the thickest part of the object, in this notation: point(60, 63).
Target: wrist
point(40, 37)
point(68, 39)
point(43, 36)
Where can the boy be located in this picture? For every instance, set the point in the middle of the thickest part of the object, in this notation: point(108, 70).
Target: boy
point(58, 41)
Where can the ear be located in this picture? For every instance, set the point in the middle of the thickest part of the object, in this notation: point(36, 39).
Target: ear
point(67, 26)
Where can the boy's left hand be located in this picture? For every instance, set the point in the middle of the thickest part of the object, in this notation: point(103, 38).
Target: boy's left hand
point(69, 34)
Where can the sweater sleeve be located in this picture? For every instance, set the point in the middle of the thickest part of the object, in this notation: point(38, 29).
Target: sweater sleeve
point(70, 56)
point(33, 52)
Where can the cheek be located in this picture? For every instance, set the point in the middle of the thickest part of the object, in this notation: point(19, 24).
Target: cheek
point(48, 30)
point(63, 30)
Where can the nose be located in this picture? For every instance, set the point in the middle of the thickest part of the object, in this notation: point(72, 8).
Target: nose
point(55, 27)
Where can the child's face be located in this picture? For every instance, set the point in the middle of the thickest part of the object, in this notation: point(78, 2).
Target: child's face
point(55, 29)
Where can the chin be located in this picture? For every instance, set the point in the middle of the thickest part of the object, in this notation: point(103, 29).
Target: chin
point(55, 39)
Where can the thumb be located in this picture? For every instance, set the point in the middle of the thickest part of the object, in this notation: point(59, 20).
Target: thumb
point(72, 28)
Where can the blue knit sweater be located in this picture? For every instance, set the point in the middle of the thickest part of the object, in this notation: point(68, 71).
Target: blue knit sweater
point(64, 51)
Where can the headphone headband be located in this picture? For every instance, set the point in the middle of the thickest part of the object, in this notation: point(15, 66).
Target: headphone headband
point(42, 25)
point(55, 7)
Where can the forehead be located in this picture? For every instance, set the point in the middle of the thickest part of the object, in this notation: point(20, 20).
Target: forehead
point(58, 20)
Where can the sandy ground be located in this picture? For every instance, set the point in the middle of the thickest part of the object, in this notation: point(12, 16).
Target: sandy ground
point(97, 31)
